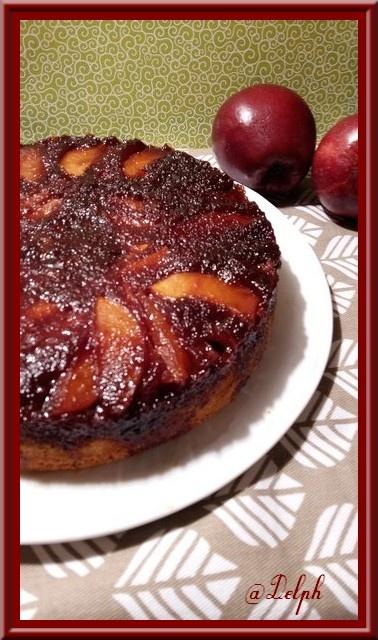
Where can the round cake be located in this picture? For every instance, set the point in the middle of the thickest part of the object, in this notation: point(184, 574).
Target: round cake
point(148, 287)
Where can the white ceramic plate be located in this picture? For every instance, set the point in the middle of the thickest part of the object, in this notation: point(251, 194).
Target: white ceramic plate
point(58, 507)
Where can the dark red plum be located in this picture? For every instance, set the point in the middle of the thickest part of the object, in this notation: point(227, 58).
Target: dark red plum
point(264, 137)
point(335, 168)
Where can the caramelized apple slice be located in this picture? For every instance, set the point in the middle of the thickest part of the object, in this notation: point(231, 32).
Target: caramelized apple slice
point(128, 212)
point(121, 354)
point(31, 164)
point(126, 204)
point(206, 287)
point(77, 161)
point(151, 260)
point(46, 209)
point(76, 388)
point(139, 248)
point(134, 262)
point(38, 206)
point(41, 310)
point(216, 221)
point(166, 343)
point(135, 165)
point(50, 337)
point(224, 220)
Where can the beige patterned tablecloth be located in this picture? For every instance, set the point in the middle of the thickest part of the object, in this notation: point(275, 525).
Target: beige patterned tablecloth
point(294, 512)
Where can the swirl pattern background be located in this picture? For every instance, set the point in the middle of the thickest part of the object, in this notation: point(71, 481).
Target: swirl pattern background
point(163, 81)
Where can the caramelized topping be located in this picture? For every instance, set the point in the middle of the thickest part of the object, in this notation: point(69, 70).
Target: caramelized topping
point(137, 278)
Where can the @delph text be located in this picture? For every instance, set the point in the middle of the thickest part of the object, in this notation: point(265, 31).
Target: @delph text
point(279, 590)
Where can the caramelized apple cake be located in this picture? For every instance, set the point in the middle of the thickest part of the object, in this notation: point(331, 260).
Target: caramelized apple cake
point(148, 286)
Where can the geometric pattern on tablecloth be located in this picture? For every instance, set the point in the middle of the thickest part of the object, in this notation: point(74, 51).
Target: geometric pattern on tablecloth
point(28, 607)
point(309, 230)
point(342, 294)
point(268, 512)
point(323, 434)
point(342, 365)
point(79, 557)
point(293, 511)
point(341, 255)
point(332, 552)
point(176, 576)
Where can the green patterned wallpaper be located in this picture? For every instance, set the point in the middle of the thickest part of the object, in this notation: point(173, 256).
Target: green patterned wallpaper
point(163, 80)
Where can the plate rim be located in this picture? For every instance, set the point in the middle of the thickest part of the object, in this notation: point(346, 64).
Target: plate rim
point(269, 210)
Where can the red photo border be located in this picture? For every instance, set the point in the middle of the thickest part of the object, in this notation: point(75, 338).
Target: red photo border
point(366, 14)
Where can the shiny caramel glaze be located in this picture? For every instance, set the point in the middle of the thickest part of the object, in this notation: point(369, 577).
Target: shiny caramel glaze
point(145, 275)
